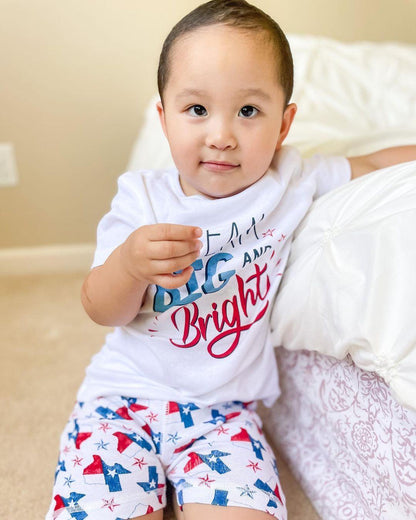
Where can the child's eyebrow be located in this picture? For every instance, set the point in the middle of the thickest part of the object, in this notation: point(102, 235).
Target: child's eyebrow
point(190, 92)
point(257, 92)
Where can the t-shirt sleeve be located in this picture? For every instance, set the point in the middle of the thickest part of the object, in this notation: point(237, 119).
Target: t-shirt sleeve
point(329, 172)
point(124, 217)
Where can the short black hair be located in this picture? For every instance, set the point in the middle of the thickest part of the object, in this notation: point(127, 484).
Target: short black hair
point(234, 13)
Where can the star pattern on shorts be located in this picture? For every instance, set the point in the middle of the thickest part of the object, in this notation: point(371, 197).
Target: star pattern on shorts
point(174, 437)
point(254, 466)
point(68, 481)
point(139, 462)
point(247, 491)
point(104, 427)
point(152, 417)
point(212, 458)
point(205, 481)
point(77, 461)
point(257, 445)
point(101, 445)
point(110, 504)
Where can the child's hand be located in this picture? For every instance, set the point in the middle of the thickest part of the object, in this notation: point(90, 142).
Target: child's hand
point(153, 253)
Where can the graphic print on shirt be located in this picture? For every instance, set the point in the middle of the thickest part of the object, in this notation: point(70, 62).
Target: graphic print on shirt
point(241, 260)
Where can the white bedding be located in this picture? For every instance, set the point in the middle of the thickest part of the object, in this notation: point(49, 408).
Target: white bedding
point(351, 283)
point(352, 98)
point(350, 286)
point(346, 439)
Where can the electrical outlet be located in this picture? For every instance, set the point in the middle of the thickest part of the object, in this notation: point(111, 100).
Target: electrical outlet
point(8, 169)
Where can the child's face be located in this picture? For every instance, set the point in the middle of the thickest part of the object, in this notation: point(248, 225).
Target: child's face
point(223, 110)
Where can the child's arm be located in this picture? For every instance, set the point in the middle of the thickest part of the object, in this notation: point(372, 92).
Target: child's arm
point(364, 164)
point(112, 293)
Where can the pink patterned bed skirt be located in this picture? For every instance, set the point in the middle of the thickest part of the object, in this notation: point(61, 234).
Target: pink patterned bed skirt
point(347, 441)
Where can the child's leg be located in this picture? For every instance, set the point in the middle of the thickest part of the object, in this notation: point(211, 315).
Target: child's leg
point(157, 515)
point(109, 466)
point(202, 512)
point(228, 470)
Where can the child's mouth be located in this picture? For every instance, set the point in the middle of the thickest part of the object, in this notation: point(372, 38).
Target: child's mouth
point(219, 166)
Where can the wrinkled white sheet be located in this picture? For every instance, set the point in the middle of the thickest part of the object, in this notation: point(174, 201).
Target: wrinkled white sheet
point(353, 98)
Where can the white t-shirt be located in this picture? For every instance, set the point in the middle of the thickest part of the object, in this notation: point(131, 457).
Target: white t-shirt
point(208, 341)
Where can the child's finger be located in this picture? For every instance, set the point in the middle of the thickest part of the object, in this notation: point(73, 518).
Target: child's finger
point(170, 249)
point(173, 281)
point(161, 232)
point(172, 265)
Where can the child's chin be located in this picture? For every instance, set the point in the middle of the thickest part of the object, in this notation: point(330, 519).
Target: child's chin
point(220, 194)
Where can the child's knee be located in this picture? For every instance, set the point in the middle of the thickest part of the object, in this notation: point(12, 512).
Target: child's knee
point(156, 515)
point(207, 512)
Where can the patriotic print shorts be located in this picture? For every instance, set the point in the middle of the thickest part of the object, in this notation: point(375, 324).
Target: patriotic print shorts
point(116, 454)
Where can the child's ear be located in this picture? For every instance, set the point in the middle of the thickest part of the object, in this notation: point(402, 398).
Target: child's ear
point(288, 117)
point(161, 112)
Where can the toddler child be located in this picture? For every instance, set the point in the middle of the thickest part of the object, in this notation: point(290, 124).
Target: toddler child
point(187, 265)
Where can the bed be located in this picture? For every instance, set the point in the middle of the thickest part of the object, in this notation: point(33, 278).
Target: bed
point(344, 321)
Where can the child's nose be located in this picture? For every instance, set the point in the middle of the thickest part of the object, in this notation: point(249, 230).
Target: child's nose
point(221, 136)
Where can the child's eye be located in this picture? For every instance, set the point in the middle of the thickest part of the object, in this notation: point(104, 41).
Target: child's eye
point(248, 111)
point(197, 111)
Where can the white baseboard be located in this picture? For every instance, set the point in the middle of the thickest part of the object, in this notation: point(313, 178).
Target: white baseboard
point(63, 258)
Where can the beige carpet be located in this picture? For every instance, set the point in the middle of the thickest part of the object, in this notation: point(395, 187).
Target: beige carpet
point(46, 342)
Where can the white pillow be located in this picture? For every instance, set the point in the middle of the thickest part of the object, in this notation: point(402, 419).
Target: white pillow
point(350, 285)
point(352, 97)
